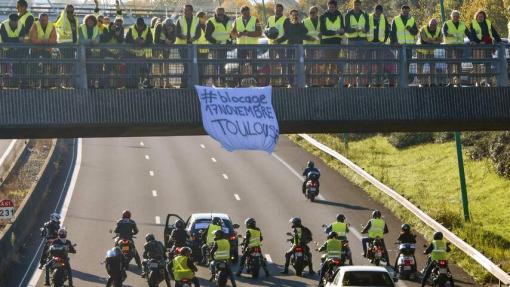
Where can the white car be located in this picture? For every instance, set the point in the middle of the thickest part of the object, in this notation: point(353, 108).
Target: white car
point(367, 276)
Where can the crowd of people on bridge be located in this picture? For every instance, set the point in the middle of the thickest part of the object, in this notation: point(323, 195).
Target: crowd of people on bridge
point(153, 40)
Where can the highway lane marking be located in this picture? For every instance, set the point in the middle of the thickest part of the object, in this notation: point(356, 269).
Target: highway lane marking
point(63, 212)
point(154, 193)
point(151, 172)
point(7, 151)
point(141, 143)
point(157, 219)
point(147, 157)
point(202, 146)
point(268, 258)
point(225, 176)
point(237, 196)
point(213, 159)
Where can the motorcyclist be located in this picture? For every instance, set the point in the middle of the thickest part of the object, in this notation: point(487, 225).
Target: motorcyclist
point(376, 228)
point(333, 248)
point(340, 227)
point(115, 267)
point(153, 249)
point(182, 267)
point(406, 236)
point(310, 167)
point(253, 238)
point(60, 247)
point(220, 251)
point(208, 237)
point(301, 236)
point(438, 250)
point(49, 232)
point(126, 228)
point(179, 236)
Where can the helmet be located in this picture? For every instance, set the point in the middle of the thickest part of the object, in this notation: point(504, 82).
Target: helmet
point(310, 164)
point(179, 224)
point(149, 237)
point(185, 251)
point(62, 233)
point(340, 217)
point(249, 222)
point(376, 214)
point(115, 251)
point(54, 217)
point(272, 33)
point(216, 221)
point(438, 235)
point(295, 221)
point(126, 214)
point(218, 233)
point(406, 227)
point(332, 234)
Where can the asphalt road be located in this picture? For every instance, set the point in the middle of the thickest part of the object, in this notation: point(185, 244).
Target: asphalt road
point(183, 175)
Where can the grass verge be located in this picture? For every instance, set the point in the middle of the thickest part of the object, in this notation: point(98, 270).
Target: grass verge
point(427, 175)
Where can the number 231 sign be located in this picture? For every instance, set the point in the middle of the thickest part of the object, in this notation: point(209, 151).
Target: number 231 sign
point(6, 209)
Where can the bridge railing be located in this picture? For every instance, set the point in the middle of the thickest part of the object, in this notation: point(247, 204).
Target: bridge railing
point(181, 66)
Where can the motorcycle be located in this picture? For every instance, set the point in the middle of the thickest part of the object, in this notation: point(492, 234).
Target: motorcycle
point(57, 265)
point(346, 250)
point(156, 271)
point(406, 264)
point(299, 258)
point(126, 247)
point(183, 283)
point(221, 275)
point(440, 275)
point(253, 262)
point(333, 264)
point(312, 186)
point(375, 251)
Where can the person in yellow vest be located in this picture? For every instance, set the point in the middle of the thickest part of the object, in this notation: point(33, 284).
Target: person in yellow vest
point(140, 36)
point(438, 250)
point(43, 33)
point(187, 31)
point(220, 251)
point(376, 228)
point(483, 33)
point(332, 31)
point(164, 36)
point(276, 32)
point(403, 28)
point(429, 35)
point(313, 29)
point(218, 31)
point(182, 267)
point(356, 30)
point(379, 31)
point(333, 248)
point(454, 33)
point(247, 31)
point(340, 227)
point(89, 35)
point(208, 236)
point(11, 32)
point(113, 35)
point(26, 19)
point(252, 239)
point(67, 25)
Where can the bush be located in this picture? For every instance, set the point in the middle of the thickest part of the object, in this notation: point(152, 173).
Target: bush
point(443, 137)
point(500, 154)
point(403, 140)
point(478, 144)
point(355, 136)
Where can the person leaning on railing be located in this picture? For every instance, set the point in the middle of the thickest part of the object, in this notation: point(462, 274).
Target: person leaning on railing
point(139, 35)
point(43, 33)
point(218, 32)
point(164, 36)
point(356, 29)
point(379, 31)
point(454, 31)
point(114, 73)
point(404, 31)
point(332, 31)
point(281, 23)
point(483, 33)
point(187, 32)
point(89, 35)
point(313, 31)
point(11, 32)
point(26, 19)
point(429, 35)
point(66, 26)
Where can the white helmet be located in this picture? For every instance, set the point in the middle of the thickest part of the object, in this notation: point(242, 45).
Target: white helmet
point(54, 217)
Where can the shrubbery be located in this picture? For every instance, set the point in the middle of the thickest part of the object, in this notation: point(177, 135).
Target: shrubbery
point(403, 140)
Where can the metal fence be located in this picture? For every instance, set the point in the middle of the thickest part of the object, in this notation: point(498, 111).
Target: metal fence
point(181, 66)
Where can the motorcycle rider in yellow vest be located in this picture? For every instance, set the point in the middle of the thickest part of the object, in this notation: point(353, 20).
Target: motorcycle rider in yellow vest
point(182, 267)
point(252, 239)
point(220, 251)
point(376, 228)
point(301, 236)
point(438, 250)
point(333, 248)
point(208, 237)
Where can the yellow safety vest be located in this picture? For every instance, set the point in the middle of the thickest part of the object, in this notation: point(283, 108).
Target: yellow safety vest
point(333, 248)
point(360, 23)
point(223, 251)
point(278, 25)
point(439, 251)
point(210, 233)
point(184, 29)
point(180, 268)
point(134, 32)
point(43, 35)
point(10, 32)
point(251, 26)
point(376, 228)
point(404, 36)
point(455, 35)
point(312, 31)
point(64, 30)
point(22, 20)
point(299, 235)
point(333, 26)
point(382, 28)
point(202, 41)
point(255, 236)
point(95, 33)
point(508, 27)
point(340, 228)
point(426, 30)
point(478, 29)
point(221, 33)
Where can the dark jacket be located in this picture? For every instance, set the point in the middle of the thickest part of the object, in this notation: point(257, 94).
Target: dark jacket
point(376, 30)
point(28, 24)
point(126, 228)
point(69, 248)
point(110, 35)
point(485, 32)
point(5, 37)
point(348, 24)
point(286, 25)
point(297, 32)
point(115, 265)
point(406, 237)
point(130, 40)
point(168, 36)
point(325, 32)
point(50, 229)
point(154, 249)
point(178, 237)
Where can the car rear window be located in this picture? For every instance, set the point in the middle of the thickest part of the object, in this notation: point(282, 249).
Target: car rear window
point(367, 278)
point(204, 223)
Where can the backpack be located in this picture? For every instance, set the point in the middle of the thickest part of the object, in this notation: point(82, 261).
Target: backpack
point(306, 234)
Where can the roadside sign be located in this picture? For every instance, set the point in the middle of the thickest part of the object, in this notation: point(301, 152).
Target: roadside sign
point(6, 209)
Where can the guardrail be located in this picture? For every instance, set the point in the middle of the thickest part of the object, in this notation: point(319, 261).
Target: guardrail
point(182, 66)
point(497, 272)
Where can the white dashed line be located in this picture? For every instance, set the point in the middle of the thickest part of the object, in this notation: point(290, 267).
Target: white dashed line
point(202, 146)
point(142, 144)
point(154, 193)
point(237, 196)
point(213, 159)
point(151, 172)
point(147, 157)
point(225, 176)
point(158, 220)
point(268, 258)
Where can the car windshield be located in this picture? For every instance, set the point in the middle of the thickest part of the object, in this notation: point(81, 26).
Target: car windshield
point(204, 223)
point(367, 278)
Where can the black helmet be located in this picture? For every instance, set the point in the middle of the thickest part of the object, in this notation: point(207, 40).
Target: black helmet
point(406, 227)
point(62, 233)
point(218, 233)
point(179, 224)
point(332, 235)
point(295, 221)
point(185, 251)
point(272, 33)
point(340, 217)
point(216, 221)
point(438, 235)
point(249, 222)
point(376, 214)
point(310, 164)
point(149, 237)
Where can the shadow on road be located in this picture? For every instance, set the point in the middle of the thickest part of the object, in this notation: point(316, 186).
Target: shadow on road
point(88, 277)
point(343, 205)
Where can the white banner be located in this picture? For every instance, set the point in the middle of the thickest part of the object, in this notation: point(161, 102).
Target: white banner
point(240, 118)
